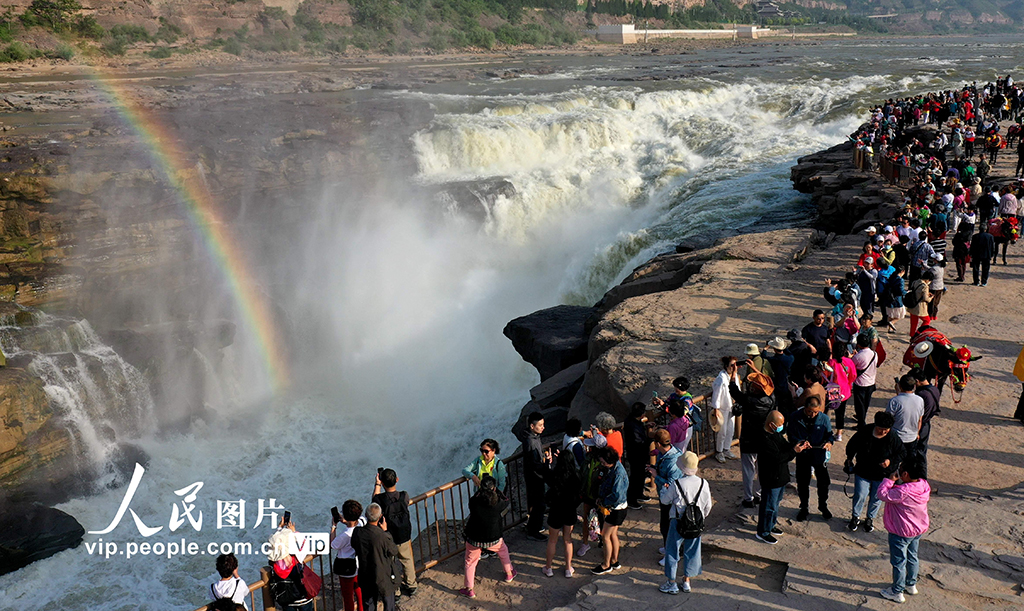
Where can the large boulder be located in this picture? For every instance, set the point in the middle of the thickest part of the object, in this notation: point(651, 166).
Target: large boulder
point(560, 388)
point(30, 532)
point(552, 339)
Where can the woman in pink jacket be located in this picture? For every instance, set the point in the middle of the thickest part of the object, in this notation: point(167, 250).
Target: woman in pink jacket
point(906, 519)
point(840, 370)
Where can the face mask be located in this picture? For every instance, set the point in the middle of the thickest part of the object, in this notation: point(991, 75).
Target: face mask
point(778, 429)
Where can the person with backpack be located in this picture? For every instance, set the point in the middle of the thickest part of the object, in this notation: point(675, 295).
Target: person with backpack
point(590, 475)
point(690, 500)
point(841, 374)
point(812, 425)
point(286, 571)
point(346, 566)
point(228, 585)
point(564, 486)
point(395, 506)
point(483, 532)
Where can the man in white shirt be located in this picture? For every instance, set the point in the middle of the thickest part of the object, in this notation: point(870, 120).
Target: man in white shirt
point(227, 583)
point(721, 402)
point(866, 362)
point(908, 410)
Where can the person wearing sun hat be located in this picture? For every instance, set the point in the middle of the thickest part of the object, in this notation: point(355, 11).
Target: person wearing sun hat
point(753, 353)
point(780, 364)
point(690, 488)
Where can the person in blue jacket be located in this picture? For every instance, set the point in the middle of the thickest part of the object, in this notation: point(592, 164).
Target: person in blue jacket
point(812, 424)
point(612, 504)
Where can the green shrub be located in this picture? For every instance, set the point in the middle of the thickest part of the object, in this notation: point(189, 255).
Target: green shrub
point(168, 32)
point(509, 35)
point(87, 27)
point(15, 52)
point(63, 51)
point(438, 40)
point(160, 52)
point(130, 33)
point(278, 42)
point(480, 37)
point(115, 46)
point(7, 21)
point(233, 46)
point(337, 46)
point(458, 38)
point(54, 14)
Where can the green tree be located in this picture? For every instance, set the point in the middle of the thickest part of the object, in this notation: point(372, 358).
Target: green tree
point(55, 14)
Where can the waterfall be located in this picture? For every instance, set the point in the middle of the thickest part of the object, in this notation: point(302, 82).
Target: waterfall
point(100, 397)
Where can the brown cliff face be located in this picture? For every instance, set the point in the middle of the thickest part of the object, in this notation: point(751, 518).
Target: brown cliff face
point(35, 446)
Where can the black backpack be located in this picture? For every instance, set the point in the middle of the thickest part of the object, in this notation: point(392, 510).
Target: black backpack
point(396, 512)
point(911, 298)
point(690, 525)
point(289, 590)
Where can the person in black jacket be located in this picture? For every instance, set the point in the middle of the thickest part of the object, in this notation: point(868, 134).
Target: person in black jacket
point(873, 454)
point(376, 551)
point(753, 406)
point(395, 505)
point(983, 248)
point(773, 472)
point(638, 446)
point(931, 395)
point(483, 532)
point(535, 469)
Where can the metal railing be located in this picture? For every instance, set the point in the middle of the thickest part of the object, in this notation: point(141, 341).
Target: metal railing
point(895, 173)
point(439, 516)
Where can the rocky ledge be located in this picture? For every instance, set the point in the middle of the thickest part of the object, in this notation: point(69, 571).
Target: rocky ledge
point(655, 325)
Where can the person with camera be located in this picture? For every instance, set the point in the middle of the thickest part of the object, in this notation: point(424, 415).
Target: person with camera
point(564, 487)
point(812, 425)
point(872, 454)
point(483, 532)
point(286, 570)
point(346, 566)
point(773, 459)
point(395, 506)
point(375, 552)
point(684, 492)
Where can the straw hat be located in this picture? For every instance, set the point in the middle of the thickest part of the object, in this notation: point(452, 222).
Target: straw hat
point(923, 349)
point(777, 343)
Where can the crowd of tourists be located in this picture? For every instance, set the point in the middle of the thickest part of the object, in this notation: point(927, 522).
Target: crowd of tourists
point(788, 397)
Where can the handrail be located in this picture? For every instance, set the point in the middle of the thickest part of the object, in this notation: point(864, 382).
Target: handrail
point(439, 534)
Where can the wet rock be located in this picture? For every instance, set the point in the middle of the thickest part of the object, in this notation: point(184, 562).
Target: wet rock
point(552, 339)
point(473, 198)
point(30, 532)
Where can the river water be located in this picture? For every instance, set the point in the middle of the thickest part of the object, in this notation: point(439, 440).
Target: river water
point(608, 171)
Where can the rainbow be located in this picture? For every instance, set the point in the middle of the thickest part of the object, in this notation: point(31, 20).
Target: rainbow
point(202, 212)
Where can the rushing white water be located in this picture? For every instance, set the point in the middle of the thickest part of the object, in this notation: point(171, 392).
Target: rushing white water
point(90, 386)
point(404, 312)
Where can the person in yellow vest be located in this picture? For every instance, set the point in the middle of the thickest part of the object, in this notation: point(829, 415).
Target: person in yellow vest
point(1018, 370)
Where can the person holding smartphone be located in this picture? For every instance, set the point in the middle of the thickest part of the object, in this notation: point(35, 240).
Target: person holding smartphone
point(346, 565)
